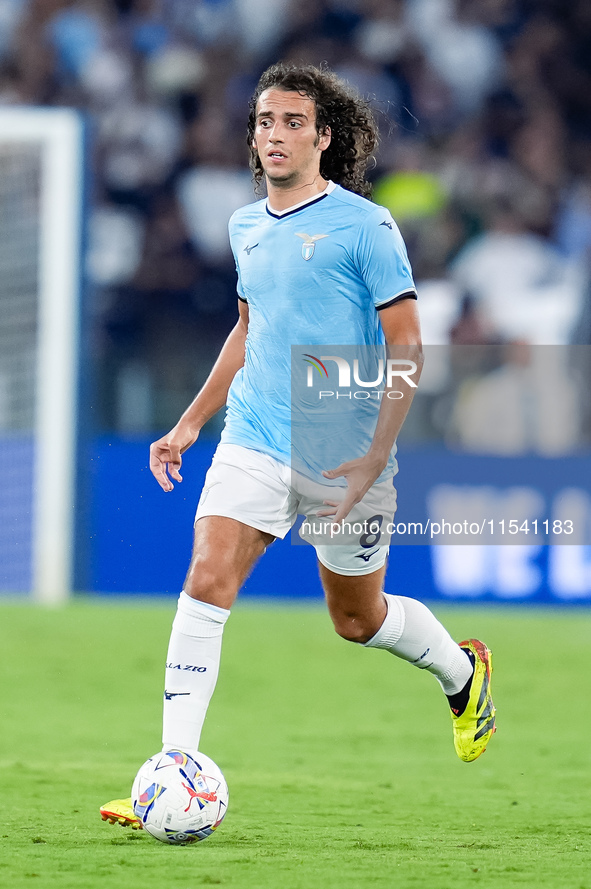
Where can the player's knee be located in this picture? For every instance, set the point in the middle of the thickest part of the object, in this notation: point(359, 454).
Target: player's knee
point(352, 627)
point(208, 585)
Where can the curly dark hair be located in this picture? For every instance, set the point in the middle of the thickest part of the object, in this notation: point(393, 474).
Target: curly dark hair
point(354, 132)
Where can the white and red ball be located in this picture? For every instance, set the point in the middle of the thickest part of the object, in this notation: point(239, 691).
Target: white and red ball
point(180, 799)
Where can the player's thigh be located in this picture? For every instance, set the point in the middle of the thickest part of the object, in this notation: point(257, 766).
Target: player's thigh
point(245, 504)
point(224, 553)
point(357, 546)
point(251, 487)
point(360, 542)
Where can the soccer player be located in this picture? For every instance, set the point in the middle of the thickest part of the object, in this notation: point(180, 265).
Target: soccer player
point(317, 262)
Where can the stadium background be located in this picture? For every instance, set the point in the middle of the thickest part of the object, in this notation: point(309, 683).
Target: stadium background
point(340, 764)
point(485, 113)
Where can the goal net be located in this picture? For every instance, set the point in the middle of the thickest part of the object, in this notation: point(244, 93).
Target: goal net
point(41, 176)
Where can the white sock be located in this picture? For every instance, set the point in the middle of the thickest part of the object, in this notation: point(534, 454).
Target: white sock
point(413, 633)
point(192, 667)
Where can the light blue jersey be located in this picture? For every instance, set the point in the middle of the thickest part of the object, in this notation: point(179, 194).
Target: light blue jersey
point(317, 273)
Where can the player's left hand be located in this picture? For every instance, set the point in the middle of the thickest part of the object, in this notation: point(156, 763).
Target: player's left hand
point(360, 474)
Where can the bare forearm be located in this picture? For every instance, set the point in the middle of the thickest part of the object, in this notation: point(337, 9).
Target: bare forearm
point(396, 399)
point(214, 392)
point(402, 331)
point(401, 327)
point(166, 454)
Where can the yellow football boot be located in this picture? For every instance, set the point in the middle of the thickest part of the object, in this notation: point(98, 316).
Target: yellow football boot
point(474, 728)
point(120, 811)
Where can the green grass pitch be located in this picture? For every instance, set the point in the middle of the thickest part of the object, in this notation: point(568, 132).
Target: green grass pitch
point(339, 760)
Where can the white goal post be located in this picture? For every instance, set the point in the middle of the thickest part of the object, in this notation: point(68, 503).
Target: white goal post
point(48, 255)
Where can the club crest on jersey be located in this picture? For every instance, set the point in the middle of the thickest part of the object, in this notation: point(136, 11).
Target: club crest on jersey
point(309, 244)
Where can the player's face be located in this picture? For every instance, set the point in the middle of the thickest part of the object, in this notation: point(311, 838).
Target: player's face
point(286, 139)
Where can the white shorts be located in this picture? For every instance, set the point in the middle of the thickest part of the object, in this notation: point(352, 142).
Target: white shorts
point(260, 491)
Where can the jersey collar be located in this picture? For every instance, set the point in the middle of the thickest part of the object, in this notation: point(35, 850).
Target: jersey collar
point(279, 214)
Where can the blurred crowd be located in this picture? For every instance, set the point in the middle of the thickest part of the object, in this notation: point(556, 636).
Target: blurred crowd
point(484, 109)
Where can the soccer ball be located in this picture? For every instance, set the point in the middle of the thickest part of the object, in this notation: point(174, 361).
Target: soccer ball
point(180, 799)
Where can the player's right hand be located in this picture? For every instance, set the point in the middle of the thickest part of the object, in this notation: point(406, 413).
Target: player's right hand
point(166, 456)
